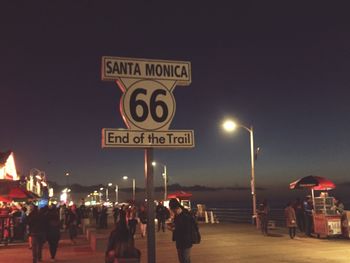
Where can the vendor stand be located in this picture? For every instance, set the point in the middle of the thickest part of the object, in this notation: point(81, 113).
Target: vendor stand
point(325, 218)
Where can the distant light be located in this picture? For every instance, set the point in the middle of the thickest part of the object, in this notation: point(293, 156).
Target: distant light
point(110, 184)
point(38, 177)
point(229, 125)
point(154, 163)
point(101, 188)
point(125, 177)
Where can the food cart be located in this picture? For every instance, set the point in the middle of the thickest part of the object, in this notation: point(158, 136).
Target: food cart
point(325, 218)
point(183, 197)
point(326, 221)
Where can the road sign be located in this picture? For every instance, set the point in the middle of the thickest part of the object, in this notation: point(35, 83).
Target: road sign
point(148, 107)
point(147, 139)
point(131, 68)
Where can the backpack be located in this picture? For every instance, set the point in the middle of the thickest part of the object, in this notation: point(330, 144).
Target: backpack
point(195, 234)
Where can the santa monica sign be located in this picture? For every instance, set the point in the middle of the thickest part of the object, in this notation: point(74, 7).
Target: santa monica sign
point(148, 104)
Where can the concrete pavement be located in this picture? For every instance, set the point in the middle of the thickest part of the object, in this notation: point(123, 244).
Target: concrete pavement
point(220, 243)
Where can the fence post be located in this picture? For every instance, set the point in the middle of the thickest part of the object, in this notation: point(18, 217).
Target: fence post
point(206, 217)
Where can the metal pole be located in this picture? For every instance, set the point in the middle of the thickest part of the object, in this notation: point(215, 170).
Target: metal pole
point(116, 193)
point(253, 173)
point(151, 239)
point(107, 198)
point(133, 189)
point(165, 183)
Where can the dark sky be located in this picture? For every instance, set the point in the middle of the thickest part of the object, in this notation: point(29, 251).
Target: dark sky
point(282, 68)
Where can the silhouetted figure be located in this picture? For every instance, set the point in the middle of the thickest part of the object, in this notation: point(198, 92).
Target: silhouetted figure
point(53, 234)
point(291, 220)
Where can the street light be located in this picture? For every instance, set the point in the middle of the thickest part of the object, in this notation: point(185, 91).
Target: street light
point(116, 193)
point(165, 177)
point(133, 186)
point(108, 185)
point(67, 178)
point(230, 126)
point(101, 189)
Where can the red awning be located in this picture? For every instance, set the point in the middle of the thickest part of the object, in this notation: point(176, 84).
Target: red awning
point(313, 182)
point(13, 190)
point(179, 194)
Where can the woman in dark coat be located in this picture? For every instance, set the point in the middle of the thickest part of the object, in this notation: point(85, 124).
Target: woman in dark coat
point(73, 221)
point(53, 234)
point(291, 220)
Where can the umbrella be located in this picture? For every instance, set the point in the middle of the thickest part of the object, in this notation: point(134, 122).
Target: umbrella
point(179, 194)
point(4, 199)
point(313, 182)
point(12, 190)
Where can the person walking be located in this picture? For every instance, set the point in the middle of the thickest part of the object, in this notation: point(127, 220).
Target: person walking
point(291, 220)
point(103, 217)
point(299, 213)
point(38, 223)
point(132, 221)
point(53, 234)
point(161, 215)
point(308, 207)
point(263, 213)
point(121, 245)
point(63, 215)
point(143, 221)
point(181, 228)
point(73, 221)
point(115, 214)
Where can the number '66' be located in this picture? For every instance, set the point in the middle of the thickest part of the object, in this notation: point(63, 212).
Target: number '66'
point(140, 109)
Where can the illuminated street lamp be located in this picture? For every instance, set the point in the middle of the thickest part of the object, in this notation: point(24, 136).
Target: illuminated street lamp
point(116, 193)
point(133, 186)
point(101, 189)
point(230, 126)
point(165, 177)
point(107, 194)
point(67, 178)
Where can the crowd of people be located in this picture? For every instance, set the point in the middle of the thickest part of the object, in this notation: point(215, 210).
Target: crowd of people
point(29, 223)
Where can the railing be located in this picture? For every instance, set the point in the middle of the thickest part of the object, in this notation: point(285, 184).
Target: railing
point(242, 215)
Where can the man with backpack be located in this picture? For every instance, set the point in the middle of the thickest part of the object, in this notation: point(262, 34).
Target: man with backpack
point(183, 230)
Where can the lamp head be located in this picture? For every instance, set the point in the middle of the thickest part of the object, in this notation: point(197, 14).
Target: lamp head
point(229, 125)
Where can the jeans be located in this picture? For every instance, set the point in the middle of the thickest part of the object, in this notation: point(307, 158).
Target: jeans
point(37, 246)
point(292, 231)
point(184, 255)
point(161, 224)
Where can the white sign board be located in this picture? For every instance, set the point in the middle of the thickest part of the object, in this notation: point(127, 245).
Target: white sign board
point(148, 104)
point(147, 139)
point(130, 68)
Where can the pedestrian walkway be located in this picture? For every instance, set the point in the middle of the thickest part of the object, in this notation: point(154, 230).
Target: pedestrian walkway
point(220, 243)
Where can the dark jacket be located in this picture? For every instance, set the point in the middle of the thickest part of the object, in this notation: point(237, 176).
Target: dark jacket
point(53, 224)
point(182, 232)
point(161, 212)
point(37, 222)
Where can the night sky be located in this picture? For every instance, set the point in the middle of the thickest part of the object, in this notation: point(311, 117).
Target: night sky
point(282, 68)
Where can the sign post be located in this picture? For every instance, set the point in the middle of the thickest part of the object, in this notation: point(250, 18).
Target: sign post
point(148, 107)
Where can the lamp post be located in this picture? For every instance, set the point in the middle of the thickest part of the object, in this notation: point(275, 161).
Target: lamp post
point(116, 193)
point(133, 187)
point(230, 126)
point(101, 189)
point(107, 194)
point(165, 177)
point(67, 178)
